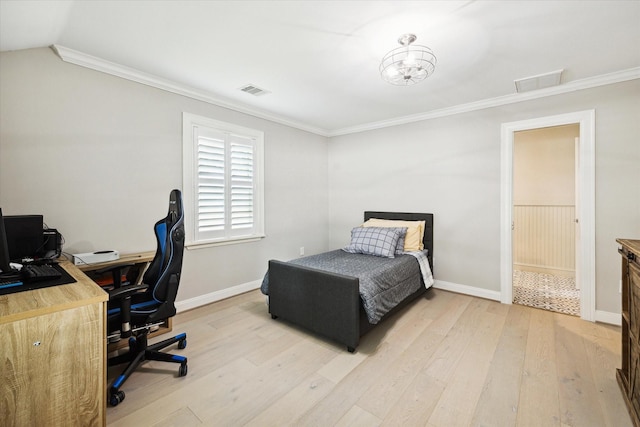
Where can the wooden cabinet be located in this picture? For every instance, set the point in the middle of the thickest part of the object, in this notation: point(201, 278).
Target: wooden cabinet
point(629, 374)
point(53, 353)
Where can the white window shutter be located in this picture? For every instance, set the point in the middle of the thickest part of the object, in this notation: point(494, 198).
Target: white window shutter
point(242, 185)
point(210, 190)
point(223, 181)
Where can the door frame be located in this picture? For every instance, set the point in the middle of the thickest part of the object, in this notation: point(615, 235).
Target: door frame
point(585, 214)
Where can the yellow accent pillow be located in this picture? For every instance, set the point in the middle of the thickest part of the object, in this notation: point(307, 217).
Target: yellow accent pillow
point(415, 231)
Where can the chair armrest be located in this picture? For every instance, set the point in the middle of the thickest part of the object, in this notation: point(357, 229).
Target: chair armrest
point(123, 296)
point(126, 291)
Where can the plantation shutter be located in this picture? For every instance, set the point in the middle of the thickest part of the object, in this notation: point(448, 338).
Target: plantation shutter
point(225, 184)
point(210, 183)
point(242, 185)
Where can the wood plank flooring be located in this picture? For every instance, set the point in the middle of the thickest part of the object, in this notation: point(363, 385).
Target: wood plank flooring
point(445, 360)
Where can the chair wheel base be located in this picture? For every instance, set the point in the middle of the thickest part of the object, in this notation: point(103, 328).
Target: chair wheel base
point(116, 398)
point(183, 370)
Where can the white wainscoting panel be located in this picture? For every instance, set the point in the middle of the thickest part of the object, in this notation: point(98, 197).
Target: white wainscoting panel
point(544, 237)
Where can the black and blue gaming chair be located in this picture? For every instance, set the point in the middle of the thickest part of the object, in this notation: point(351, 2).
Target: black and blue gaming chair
point(135, 309)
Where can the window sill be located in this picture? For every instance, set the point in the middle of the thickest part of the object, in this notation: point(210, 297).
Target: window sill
point(214, 243)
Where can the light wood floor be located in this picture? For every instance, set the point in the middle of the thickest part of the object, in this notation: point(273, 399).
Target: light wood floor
point(446, 360)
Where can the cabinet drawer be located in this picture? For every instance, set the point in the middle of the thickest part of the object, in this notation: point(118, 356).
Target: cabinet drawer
point(634, 309)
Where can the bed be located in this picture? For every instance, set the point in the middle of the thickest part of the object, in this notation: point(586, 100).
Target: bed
point(329, 303)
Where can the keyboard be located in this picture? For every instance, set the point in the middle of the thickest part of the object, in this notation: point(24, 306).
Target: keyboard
point(32, 273)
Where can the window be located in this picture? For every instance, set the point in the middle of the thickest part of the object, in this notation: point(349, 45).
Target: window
point(223, 174)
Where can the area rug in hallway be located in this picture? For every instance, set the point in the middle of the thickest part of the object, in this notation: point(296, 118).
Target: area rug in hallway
point(546, 291)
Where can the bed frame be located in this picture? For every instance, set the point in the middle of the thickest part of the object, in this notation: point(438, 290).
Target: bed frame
point(327, 303)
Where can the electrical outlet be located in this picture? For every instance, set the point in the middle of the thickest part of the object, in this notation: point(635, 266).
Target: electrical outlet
point(301, 250)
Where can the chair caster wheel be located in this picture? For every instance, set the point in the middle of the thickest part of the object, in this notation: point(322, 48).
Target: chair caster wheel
point(183, 370)
point(116, 398)
point(182, 344)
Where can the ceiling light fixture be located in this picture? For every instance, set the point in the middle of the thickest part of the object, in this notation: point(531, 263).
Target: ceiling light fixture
point(408, 64)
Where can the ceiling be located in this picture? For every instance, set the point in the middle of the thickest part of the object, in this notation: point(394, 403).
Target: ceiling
point(319, 59)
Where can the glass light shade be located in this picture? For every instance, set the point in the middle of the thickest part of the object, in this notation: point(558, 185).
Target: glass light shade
point(408, 64)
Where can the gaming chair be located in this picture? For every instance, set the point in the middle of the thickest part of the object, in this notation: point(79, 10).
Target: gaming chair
point(135, 309)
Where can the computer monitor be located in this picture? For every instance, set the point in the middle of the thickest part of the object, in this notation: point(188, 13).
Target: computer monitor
point(24, 236)
point(4, 249)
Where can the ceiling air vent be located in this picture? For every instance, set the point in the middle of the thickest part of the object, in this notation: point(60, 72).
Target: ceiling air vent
point(540, 81)
point(254, 90)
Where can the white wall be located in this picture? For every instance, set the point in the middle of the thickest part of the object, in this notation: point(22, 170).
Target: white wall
point(451, 167)
point(544, 166)
point(440, 166)
point(98, 155)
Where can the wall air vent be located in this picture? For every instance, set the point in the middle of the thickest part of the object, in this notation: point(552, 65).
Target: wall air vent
point(254, 90)
point(540, 81)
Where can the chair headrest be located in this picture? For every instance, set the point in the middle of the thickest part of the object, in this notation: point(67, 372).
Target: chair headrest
point(175, 205)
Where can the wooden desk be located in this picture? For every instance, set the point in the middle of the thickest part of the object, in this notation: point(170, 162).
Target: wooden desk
point(140, 261)
point(53, 353)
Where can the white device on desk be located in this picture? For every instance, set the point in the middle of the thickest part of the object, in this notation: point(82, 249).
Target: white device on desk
point(95, 257)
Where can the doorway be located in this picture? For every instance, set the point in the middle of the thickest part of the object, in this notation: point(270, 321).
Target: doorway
point(544, 218)
point(585, 211)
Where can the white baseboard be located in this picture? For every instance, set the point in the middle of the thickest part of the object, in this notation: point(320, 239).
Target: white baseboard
point(216, 296)
point(467, 290)
point(250, 286)
point(608, 317)
point(600, 316)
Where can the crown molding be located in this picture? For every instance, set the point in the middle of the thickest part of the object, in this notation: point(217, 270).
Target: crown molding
point(98, 64)
point(587, 83)
point(82, 59)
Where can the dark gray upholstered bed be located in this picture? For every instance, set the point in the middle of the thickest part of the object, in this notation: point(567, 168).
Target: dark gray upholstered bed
point(329, 304)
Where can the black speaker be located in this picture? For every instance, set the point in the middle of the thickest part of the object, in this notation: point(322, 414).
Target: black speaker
point(52, 243)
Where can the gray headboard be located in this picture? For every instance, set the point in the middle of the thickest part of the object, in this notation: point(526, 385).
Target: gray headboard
point(428, 225)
